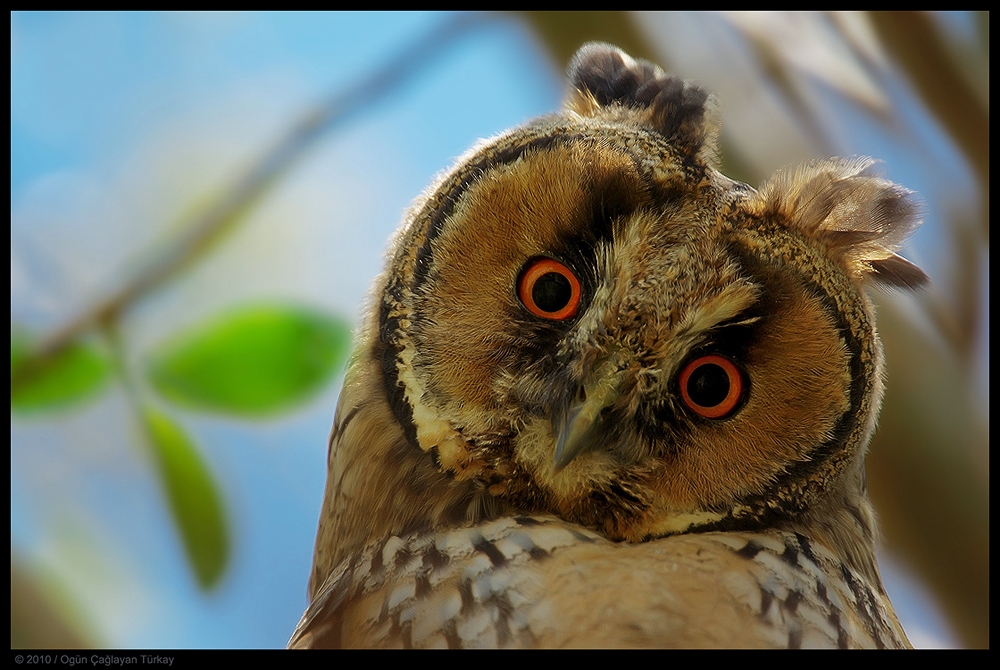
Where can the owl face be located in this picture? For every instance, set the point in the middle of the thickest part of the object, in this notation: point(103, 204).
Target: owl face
point(586, 318)
point(584, 327)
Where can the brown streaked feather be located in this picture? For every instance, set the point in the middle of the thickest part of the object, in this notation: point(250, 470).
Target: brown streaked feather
point(538, 581)
point(846, 204)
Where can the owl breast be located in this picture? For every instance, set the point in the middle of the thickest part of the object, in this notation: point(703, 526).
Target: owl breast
point(540, 582)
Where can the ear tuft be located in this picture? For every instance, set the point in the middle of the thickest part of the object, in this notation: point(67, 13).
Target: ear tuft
point(861, 218)
point(612, 76)
point(604, 78)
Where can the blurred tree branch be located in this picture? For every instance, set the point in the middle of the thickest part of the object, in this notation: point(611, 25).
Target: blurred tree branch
point(199, 234)
point(564, 32)
point(40, 618)
point(915, 42)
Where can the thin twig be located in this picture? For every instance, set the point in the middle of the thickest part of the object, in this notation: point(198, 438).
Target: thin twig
point(204, 228)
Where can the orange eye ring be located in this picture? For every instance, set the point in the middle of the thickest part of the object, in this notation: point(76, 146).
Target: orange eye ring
point(549, 289)
point(712, 386)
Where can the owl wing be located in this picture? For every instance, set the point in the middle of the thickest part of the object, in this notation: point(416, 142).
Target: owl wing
point(542, 582)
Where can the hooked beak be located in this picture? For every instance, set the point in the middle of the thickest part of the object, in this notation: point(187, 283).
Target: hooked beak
point(583, 425)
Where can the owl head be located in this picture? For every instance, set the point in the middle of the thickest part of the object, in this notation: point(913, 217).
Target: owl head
point(584, 317)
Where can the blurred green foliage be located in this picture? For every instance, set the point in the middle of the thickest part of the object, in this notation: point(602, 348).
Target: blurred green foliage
point(69, 376)
point(251, 362)
point(256, 361)
point(193, 497)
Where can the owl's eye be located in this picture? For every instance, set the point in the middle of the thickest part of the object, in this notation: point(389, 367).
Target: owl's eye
point(712, 386)
point(549, 289)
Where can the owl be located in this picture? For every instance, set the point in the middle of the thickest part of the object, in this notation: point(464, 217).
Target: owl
point(606, 396)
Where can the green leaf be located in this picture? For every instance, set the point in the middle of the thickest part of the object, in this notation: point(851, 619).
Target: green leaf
point(51, 382)
point(253, 361)
point(193, 497)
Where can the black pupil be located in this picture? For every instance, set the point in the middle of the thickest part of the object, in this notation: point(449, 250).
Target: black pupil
point(551, 292)
point(708, 386)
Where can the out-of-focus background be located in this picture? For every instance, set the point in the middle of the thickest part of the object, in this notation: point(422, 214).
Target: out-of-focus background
point(199, 203)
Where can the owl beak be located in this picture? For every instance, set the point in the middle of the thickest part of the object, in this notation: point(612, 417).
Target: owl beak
point(582, 426)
